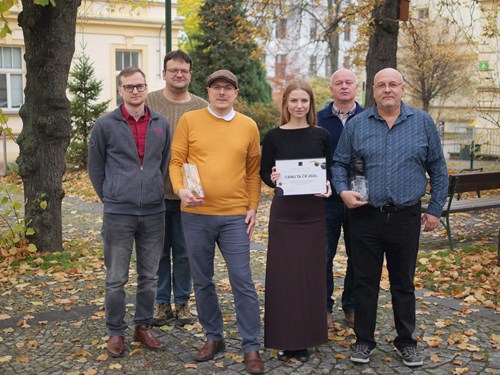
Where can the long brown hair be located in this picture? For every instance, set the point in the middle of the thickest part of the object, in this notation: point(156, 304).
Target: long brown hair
point(298, 84)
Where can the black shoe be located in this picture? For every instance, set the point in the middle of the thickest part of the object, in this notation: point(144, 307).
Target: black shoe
point(285, 355)
point(302, 355)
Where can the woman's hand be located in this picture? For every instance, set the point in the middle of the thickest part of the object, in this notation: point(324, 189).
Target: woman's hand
point(275, 175)
point(328, 191)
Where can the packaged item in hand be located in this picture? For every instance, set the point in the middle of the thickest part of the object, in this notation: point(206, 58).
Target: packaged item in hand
point(360, 184)
point(192, 180)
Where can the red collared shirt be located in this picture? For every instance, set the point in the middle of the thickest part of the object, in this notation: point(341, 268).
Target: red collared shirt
point(138, 129)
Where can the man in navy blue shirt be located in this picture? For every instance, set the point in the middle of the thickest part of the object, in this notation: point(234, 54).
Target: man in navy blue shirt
point(344, 87)
point(398, 145)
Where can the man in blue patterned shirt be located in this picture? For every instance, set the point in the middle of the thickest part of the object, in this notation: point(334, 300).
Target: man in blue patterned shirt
point(398, 145)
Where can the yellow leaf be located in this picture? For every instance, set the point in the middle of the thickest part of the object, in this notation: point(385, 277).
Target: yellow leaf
point(22, 359)
point(460, 370)
point(442, 323)
point(32, 344)
point(191, 365)
point(219, 364)
point(6, 359)
point(32, 248)
point(433, 341)
point(4, 316)
point(43, 205)
point(435, 358)
point(115, 366)
point(102, 357)
point(82, 352)
point(136, 351)
point(166, 328)
point(340, 356)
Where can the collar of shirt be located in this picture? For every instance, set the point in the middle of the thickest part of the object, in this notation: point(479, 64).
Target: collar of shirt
point(127, 116)
point(343, 116)
point(227, 117)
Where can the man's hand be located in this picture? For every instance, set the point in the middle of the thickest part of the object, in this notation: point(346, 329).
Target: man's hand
point(250, 221)
point(430, 222)
point(188, 199)
point(352, 199)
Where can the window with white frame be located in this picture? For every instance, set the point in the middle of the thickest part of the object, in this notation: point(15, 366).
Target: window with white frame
point(124, 59)
point(281, 28)
point(313, 65)
point(11, 78)
point(347, 32)
point(313, 31)
point(280, 66)
point(423, 13)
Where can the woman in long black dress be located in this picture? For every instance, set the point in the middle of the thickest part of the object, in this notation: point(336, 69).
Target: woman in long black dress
point(295, 302)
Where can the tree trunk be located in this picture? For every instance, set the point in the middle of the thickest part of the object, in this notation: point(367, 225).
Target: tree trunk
point(426, 103)
point(49, 37)
point(333, 38)
point(383, 43)
point(333, 46)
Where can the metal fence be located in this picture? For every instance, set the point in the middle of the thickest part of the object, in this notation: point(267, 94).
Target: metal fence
point(460, 139)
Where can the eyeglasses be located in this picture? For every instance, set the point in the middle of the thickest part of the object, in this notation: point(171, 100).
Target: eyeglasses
point(130, 88)
point(391, 85)
point(227, 88)
point(174, 72)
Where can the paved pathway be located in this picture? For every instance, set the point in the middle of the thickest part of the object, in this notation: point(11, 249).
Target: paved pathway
point(43, 337)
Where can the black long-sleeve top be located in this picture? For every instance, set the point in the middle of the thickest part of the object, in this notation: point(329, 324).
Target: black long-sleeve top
point(302, 143)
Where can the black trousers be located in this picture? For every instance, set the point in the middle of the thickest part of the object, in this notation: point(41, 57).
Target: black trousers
point(395, 234)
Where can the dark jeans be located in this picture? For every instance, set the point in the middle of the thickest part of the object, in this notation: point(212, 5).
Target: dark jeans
point(174, 273)
point(336, 219)
point(119, 233)
point(202, 233)
point(395, 235)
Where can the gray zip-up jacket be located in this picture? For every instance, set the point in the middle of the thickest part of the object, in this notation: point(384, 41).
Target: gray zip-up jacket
point(122, 184)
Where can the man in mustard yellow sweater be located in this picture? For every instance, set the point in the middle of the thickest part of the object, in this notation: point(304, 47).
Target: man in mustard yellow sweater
point(224, 145)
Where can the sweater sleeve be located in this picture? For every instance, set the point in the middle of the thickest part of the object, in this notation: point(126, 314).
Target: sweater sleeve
point(268, 161)
point(97, 158)
point(252, 171)
point(179, 152)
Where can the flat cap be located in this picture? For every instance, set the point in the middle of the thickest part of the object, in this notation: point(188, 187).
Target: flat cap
point(226, 75)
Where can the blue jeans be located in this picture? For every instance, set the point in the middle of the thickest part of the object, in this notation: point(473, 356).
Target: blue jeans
point(176, 276)
point(202, 232)
point(336, 219)
point(119, 233)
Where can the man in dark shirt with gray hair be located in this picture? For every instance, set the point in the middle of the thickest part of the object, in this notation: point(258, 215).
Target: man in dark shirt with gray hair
point(398, 145)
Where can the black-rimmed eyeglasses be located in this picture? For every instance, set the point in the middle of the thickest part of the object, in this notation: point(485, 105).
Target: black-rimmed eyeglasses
point(130, 88)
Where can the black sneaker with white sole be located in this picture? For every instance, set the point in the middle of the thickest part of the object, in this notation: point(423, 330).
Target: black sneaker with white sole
point(361, 353)
point(411, 356)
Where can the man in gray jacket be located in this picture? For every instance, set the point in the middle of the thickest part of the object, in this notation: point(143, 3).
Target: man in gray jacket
point(128, 157)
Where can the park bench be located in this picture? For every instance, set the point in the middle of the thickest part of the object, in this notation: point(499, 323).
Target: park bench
point(464, 183)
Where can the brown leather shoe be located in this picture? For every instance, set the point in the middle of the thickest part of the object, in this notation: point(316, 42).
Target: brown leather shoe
point(144, 335)
point(209, 350)
point(254, 363)
point(116, 346)
point(349, 317)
